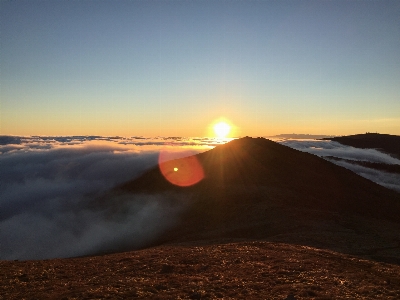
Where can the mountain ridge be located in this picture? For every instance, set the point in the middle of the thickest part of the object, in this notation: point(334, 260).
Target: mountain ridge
point(255, 188)
point(258, 162)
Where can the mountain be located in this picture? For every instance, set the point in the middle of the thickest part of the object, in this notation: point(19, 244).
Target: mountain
point(301, 136)
point(385, 142)
point(254, 188)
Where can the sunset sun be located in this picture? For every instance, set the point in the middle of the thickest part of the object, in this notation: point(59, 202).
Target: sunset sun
point(222, 129)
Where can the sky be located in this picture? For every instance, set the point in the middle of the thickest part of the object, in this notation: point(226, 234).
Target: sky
point(173, 68)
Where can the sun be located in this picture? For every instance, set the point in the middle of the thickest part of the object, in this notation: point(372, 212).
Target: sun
point(222, 129)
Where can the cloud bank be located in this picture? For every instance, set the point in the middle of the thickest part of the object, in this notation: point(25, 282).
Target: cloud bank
point(327, 149)
point(47, 187)
point(138, 143)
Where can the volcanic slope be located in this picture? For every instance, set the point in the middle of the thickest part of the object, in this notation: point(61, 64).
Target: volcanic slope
point(254, 188)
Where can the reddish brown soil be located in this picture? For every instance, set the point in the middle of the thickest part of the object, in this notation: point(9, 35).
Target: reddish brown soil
point(244, 270)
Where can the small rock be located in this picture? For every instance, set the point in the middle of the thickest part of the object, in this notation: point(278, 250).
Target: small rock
point(195, 296)
point(290, 297)
point(23, 278)
point(167, 269)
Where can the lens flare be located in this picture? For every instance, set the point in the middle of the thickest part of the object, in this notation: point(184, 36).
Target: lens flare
point(183, 172)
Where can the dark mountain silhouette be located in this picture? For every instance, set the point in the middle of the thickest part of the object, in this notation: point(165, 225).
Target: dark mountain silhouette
point(254, 188)
point(301, 136)
point(249, 163)
point(385, 142)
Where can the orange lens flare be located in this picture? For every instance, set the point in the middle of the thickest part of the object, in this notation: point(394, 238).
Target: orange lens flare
point(183, 172)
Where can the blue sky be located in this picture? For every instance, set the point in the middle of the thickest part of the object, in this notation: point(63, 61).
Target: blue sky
point(171, 68)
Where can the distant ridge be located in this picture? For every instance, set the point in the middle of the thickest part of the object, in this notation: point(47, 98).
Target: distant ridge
point(301, 136)
point(385, 142)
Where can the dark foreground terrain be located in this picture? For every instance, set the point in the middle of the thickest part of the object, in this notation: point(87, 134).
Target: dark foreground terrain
point(241, 270)
point(265, 221)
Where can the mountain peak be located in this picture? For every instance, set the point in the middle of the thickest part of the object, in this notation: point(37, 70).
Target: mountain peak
point(259, 164)
point(254, 188)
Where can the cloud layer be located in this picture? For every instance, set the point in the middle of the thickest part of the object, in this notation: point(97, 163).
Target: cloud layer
point(138, 143)
point(47, 187)
point(326, 149)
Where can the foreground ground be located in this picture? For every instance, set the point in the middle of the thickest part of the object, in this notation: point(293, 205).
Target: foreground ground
point(242, 270)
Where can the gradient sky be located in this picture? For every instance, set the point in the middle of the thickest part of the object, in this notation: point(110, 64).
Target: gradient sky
point(171, 68)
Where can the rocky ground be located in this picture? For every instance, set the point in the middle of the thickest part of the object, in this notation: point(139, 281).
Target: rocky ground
point(222, 270)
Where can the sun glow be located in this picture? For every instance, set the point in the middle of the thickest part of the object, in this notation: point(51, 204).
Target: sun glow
point(222, 129)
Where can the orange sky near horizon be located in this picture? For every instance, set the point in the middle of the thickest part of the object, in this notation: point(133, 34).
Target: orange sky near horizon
point(239, 127)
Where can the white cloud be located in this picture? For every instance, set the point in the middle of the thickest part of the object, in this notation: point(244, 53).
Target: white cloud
point(47, 207)
point(389, 180)
point(331, 148)
point(326, 148)
point(48, 189)
point(54, 229)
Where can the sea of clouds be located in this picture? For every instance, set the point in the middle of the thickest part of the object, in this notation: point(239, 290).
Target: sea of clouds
point(47, 187)
point(328, 149)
